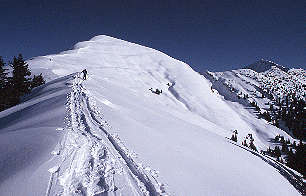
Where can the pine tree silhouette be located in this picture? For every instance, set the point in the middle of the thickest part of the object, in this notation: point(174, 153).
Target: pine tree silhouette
point(21, 82)
point(12, 88)
point(3, 86)
point(3, 74)
point(252, 145)
point(37, 81)
point(234, 136)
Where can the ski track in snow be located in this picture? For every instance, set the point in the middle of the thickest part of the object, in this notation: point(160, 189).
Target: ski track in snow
point(94, 161)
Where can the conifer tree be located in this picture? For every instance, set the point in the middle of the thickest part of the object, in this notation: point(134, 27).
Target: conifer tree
point(37, 81)
point(234, 136)
point(269, 150)
point(3, 86)
point(3, 74)
point(285, 147)
point(271, 107)
point(300, 161)
point(21, 81)
point(244, 143)
point(12, 88)
point(252, 145)
point(277, 151)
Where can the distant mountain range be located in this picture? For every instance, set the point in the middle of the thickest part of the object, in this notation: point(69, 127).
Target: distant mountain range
point(274, 93)
point(263, 84)
point(266, 76)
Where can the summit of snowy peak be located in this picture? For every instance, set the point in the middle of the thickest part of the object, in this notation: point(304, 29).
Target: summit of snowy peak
point(96, 40)
point(264, 65)
point(103, 52)
point(105, 38)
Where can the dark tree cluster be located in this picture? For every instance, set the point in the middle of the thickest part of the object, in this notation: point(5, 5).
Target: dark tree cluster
point(294, 115)
point(293, 154)
point(252, 145)
point(251, 142)
point(13, 87)
point(292, 112)
point(254, 104)
point(266, 115)
point(249, 137)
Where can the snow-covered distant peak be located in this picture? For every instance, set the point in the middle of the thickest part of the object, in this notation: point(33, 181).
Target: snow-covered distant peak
point(264, 65)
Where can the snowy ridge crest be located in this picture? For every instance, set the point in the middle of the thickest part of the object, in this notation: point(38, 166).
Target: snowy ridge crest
point(264, 65)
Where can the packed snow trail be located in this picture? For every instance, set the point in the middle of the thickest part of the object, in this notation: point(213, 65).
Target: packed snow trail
point(94, 162)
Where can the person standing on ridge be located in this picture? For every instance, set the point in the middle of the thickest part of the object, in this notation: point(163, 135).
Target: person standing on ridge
point(84, 74)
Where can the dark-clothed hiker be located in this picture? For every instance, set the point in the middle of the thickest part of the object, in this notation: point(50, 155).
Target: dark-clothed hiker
point(84, 74)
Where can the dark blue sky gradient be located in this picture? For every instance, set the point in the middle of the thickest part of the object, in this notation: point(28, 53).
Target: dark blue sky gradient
point(208, 34)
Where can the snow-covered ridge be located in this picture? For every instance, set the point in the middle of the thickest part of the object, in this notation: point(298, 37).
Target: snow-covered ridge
point(279, 83)
point(94, 47)
point(180, 133)
point(265, 94)
point(264, 65)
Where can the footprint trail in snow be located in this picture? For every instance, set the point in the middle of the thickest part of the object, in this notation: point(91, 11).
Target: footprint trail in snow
point(94, 161)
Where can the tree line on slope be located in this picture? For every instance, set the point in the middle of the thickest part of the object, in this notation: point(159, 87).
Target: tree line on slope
point(13, 87)
point(287, 108)
point(292, 155)
point(292, 112)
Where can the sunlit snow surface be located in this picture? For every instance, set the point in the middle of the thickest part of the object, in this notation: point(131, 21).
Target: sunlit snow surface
point(111, 135)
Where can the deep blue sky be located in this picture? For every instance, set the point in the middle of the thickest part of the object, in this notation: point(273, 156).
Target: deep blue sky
point(208, 34)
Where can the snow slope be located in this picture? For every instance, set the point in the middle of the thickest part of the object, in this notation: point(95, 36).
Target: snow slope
point(28, 135)
point(273, 83)
point(120, 138)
